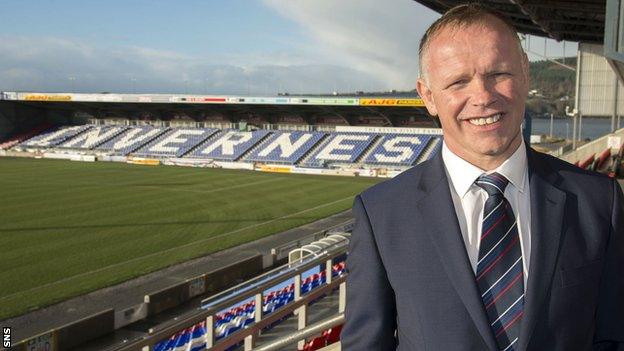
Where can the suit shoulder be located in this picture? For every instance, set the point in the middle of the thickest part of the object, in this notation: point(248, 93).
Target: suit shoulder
point(589, 185)
point(394, 188)
point(570, 171)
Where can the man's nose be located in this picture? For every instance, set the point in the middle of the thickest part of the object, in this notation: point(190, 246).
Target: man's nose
point(482, 93)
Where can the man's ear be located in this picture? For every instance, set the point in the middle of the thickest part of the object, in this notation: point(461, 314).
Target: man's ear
point(427, 96)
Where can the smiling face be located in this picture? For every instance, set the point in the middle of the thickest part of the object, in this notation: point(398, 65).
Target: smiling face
point(477, 84)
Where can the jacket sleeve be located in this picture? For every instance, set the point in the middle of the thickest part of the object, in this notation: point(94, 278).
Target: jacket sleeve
point(609, 334)
point(370, 307)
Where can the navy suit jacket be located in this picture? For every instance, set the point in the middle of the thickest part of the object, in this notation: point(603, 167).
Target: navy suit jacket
point(411, 287)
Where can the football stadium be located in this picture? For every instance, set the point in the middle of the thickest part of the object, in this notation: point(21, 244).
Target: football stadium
point(156, 221)
point(151, 193)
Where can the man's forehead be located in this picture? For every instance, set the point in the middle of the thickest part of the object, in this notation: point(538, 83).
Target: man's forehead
point(477, 36)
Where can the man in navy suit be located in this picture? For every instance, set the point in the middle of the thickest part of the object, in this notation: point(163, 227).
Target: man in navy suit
point(490, 245)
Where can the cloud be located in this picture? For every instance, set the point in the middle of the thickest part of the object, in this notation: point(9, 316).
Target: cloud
point(380, 38)
point(352, 45)
point(57, 64)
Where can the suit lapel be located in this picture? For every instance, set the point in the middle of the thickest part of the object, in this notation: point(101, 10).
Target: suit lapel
point(547, 210)
point(438, 215)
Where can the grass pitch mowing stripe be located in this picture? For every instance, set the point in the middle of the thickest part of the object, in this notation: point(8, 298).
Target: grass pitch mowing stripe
point(74, 227)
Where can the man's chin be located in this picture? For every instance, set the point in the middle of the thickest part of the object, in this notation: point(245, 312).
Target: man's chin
point(499, 149)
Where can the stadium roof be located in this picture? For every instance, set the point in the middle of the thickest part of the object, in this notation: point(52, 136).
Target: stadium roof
point(573, 20)
point(198, 107)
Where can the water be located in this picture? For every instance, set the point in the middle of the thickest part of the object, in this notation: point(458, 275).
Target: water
point(592, 128)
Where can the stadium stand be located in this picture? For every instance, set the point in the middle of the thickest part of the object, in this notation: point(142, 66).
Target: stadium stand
point(131, 139)
point(93, 137)
point(284, 147)
point(242, 315)
point(436, 144)
point(328, 337)
point(175, 142)
point(16, 139)
point(55, 137)
point(340, 148)
point(314, 149)
point(192, 339)
point(228, 145)
point(286, 119)
point(398, 149)
point(371, 121)
point(331, 120)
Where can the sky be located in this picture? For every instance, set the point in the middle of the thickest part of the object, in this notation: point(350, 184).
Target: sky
point(234, 47)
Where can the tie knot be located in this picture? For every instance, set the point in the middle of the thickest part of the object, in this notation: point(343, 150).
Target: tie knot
point(492, 183)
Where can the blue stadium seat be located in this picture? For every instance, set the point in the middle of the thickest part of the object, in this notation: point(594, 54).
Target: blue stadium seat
point(175, 142)
point(54, 137)
point(398, 149)
point(93, 137)
point(285, 146)
point(436, 149)
point(192, 339)
point(228, 145)
point(340, 147)
point(131, 139)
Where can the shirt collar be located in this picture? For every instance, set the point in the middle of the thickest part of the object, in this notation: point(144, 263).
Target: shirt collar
point(463, 174)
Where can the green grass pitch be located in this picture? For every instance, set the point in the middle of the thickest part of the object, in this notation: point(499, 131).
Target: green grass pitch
point(68, 228)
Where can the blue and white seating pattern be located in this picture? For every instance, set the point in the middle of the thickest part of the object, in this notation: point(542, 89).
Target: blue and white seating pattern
point(316, 149)
point(238, 317)
point(341, 148)
point(437, 148)
point(175, 142)
point(55, 137)
point(234, 319)
point(285, 147)
point(93, 137)
point(190, 339)
point(274, 300)
point(131, 139)
point(229, 145)
point(398, 149)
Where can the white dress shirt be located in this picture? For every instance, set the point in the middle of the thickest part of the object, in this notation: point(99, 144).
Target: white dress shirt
point(468, 199)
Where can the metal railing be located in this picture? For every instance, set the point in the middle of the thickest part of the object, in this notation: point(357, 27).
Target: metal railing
point(255, 289)
point(307, 332)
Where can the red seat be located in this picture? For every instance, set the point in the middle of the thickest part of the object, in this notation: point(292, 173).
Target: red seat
point(315, 344)
point(334, 334)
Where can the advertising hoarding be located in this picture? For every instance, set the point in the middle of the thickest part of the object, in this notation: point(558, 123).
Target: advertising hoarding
point(392, 102)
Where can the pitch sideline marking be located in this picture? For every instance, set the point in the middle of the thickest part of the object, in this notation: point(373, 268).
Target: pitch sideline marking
point(214, 190)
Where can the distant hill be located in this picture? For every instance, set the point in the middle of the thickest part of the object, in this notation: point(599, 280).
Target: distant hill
point(551, 87)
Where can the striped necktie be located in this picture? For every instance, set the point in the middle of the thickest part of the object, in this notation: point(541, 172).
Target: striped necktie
point(499, 268)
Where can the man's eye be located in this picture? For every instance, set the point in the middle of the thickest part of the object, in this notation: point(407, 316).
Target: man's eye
point(458, 82)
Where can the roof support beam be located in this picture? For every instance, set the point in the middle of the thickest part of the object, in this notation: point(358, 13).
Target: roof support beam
point(529, 11)
point(583, 7)
point(576, 21)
